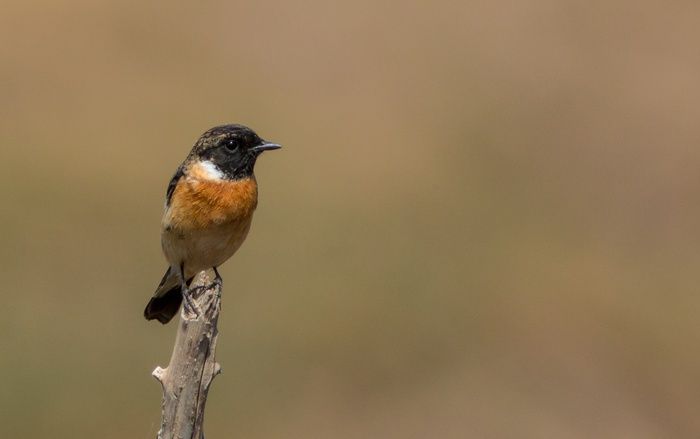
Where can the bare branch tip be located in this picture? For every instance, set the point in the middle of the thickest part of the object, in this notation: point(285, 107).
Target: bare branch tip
point(158, 373)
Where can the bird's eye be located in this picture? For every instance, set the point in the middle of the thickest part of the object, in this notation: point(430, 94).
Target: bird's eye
point(230, 145)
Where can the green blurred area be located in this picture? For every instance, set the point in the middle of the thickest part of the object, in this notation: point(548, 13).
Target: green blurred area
point(483, 222)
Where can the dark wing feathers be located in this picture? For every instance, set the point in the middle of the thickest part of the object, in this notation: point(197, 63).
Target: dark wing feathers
point(171, 186)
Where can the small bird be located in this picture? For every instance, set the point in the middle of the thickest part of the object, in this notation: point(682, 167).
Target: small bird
point(209, 207)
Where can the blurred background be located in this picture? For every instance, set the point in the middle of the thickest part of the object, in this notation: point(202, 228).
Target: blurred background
point(483, 222)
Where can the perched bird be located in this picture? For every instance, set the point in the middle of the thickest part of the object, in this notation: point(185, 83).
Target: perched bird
point(209, 207)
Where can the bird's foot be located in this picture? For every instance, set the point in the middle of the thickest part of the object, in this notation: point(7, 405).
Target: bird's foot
point(190, 306)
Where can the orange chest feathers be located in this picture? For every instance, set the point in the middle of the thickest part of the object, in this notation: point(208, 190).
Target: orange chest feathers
point(200, 203)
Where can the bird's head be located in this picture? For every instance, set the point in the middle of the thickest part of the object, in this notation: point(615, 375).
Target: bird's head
point(230, 151)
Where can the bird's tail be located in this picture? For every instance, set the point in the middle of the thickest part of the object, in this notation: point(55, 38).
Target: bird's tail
point(166, 300)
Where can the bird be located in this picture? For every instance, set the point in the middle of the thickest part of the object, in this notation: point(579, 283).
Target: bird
point(209, 207)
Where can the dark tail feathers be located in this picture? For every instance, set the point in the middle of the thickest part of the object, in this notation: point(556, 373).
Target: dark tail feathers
point(165, 307)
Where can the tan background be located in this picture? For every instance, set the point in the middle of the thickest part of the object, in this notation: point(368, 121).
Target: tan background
point(484, 222)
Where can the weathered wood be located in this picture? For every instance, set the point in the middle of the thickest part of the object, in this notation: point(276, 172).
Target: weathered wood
point(192, 366)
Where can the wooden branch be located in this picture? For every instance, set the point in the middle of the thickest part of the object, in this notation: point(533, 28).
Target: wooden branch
point(192, 366)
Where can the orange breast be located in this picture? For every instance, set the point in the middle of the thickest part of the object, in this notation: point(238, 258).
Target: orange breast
point(201, 203)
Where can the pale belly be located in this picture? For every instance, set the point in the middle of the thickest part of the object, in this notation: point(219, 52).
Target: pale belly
point(201, 249)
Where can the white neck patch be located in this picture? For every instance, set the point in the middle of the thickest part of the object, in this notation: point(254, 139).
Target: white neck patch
point(210, 171)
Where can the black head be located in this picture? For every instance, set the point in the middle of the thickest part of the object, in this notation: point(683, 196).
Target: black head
point(233, 149)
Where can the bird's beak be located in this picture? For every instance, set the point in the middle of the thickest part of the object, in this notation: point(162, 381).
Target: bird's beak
point(266, 147)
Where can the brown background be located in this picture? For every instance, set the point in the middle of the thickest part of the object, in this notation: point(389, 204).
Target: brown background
point(484, 222)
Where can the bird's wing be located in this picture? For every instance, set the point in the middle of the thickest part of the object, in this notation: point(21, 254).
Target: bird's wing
point(171, 186)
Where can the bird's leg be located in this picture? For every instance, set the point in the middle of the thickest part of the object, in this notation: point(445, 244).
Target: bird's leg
point(184, 289)
point(218, 276)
